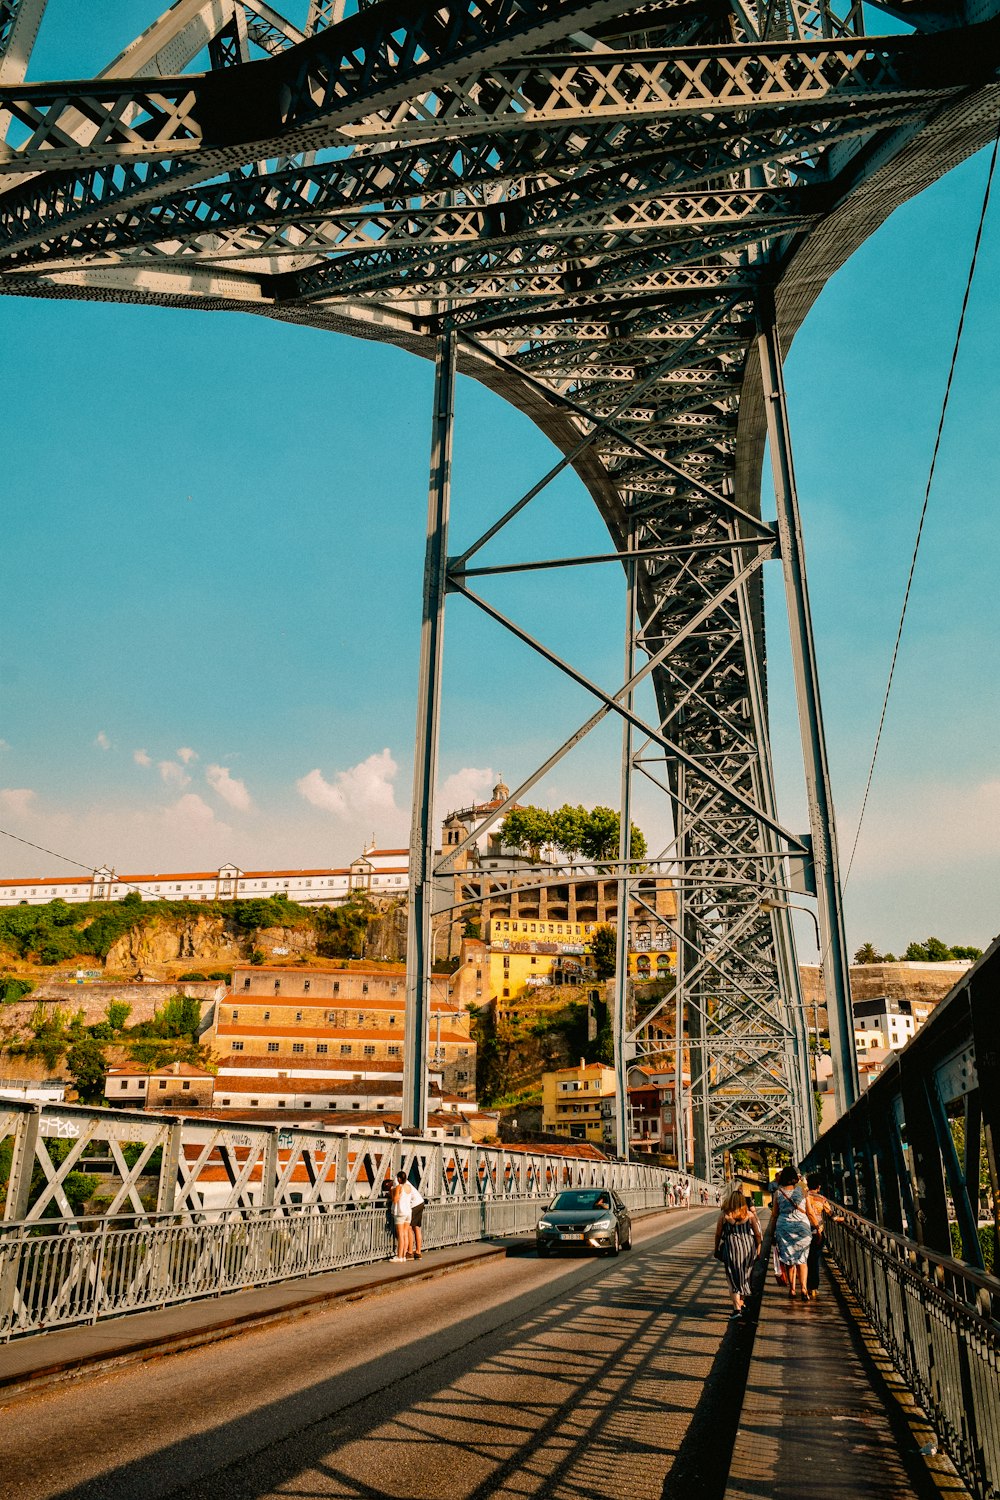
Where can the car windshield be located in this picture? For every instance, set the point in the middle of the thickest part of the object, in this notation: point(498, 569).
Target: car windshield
point(581, 1200)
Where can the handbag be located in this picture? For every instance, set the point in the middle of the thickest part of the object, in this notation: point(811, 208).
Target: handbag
point(779, 1270)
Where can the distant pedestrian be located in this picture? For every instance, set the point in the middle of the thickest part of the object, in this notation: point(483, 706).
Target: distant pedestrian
point(738, 1242)
point(792, 1222)
point(401, 1216)
point(416, 1220)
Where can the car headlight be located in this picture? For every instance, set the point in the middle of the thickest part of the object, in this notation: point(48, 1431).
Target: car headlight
point(544, 1224)
point(603, 1224)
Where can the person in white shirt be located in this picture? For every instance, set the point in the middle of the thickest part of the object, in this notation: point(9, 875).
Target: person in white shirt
point(416, 1220)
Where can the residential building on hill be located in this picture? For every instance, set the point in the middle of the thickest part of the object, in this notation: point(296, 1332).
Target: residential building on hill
point(572, 1100)
point(343, 1019)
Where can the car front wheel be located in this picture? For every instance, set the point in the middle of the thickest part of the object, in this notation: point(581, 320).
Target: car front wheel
point(543, 1251)
point(616, 1245)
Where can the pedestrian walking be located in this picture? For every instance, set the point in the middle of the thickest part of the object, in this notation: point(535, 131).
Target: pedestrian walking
point(401, 1216)
point(792, 1223)
point(738, 1242)
point(819, 1207)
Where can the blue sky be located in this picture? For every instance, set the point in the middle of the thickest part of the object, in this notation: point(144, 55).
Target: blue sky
point(213, 548)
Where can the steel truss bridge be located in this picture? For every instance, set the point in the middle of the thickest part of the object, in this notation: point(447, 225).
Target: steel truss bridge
point(616, 216)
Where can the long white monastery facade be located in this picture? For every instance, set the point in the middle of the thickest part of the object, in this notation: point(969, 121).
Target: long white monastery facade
point(379, 872)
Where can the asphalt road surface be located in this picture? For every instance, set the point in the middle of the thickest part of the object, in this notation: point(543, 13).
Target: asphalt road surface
point(570, 1379)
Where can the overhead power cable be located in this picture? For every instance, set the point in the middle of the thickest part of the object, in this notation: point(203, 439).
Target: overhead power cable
point(66, 859)
point(927, 496)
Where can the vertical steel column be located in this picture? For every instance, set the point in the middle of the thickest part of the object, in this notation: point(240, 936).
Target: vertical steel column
point(622, 1117)
point(419, 954)
point(836, 971)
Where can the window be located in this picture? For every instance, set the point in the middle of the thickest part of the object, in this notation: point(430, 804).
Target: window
point(246, 984)
point(322, 1049)
point(223, 1101)
point(364, 988)
point(393, 1051)
point(392, 1020)
point(361, 1019)
point(123, 1084)
point(369, 1051)
point(163, 1082)
point(237, 1046)
point(355, 1106)
point(298, 1046)
point(305, 987)
point(336, 986)
point(307, 1104)
point(186, 1084)
point(345, 1049)
point(277, 985)
point(506, 994)
point(267, 1015)
point(272, 1046)
point(298, 1015)
point(254, 1103)
point(281, 1104)
point(236, 1015)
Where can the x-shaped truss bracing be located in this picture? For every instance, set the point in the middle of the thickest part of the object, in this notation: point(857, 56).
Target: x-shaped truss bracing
point(615, 216)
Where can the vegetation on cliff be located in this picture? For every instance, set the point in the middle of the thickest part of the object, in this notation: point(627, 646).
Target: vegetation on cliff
point(52, 1032)
point(57, 932)
point(930, 951)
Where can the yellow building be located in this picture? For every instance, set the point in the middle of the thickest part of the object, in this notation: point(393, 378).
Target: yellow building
point(523, 954)
point(572, 1101)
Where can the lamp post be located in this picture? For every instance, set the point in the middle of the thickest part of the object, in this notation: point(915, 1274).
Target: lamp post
point(795, 906)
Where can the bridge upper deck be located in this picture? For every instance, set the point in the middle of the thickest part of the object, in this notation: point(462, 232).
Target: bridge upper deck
point(511, 1376)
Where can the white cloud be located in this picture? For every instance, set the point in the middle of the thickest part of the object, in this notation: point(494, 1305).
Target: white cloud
point(229, 788)
point(142, 757)
point(17, 799)
point(173, 773)
point(465, 788)
point(361, 792)
point(186, 755)
point(102, 741)
point(191, 813)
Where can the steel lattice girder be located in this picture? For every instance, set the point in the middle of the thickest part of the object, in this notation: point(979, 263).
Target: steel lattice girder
point(596, 201)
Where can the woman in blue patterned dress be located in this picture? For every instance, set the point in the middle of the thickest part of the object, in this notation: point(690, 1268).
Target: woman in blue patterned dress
point(737, 1244)
point(792, 1222)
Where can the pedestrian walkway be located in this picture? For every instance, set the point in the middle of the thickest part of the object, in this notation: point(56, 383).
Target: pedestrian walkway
point(824, 1416)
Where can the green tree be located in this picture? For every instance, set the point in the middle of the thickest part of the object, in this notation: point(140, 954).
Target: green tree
point(569, 828)
point(603, 951)
point(180, 1017)
point(527, 828)
point(600, 841)
point(960, 950)
point(117, 1014)
point(87, 1066)
point(931, 951)
point(867, 954)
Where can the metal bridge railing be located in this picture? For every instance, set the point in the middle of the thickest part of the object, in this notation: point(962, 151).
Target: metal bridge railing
point(54, 1273)
point(939, 1322)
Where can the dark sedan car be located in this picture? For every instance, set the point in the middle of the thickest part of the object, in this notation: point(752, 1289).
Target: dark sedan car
point(584, 1219)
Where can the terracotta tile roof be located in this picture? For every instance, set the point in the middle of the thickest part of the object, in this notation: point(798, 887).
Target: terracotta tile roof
point(333, 1087)
point(335, 1033)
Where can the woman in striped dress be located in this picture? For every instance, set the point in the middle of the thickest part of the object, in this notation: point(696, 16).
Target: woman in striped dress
point(737, 1245)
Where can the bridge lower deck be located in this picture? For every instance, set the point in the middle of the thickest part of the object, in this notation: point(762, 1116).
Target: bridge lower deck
point(573, 1379)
